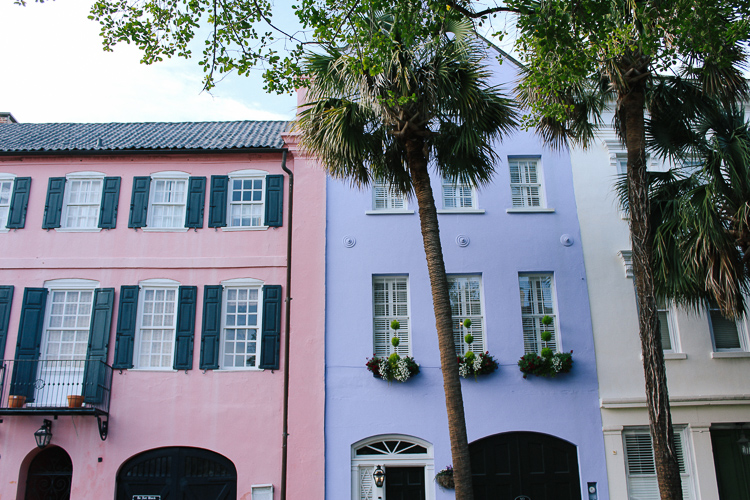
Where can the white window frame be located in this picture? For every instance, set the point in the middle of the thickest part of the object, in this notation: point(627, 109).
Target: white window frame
point(477, 328)
point(363, 485)
point(11, 178)
point(524, 185)
point(448, 184)
point(241, 283)
point(648, 478)
point(241, 175)
point(381, 323)
point(395, 202)
point(556, 342)
point(667, 309)
point(742, 335)
point(64, 285)
point(155, 284)
point(81, 176)
point(167, 176)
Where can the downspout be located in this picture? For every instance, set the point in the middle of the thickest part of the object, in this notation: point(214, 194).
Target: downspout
point(287, 316)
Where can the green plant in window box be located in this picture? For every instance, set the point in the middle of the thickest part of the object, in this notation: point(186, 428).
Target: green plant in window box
point(394, 367)
point(548, 364)
point(472, 364)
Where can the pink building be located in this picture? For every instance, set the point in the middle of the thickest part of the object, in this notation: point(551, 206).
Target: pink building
point(145, 272)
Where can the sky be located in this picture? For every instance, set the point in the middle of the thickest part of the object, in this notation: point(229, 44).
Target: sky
point(53, 69)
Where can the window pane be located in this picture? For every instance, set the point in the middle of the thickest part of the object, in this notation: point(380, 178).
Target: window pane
point(390, 302)
point(240, 328)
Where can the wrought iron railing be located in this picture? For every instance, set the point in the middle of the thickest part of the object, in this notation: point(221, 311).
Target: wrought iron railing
point(71, 385)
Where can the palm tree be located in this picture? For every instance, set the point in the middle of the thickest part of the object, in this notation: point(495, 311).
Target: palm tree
point(703, 211)
point(429, 105)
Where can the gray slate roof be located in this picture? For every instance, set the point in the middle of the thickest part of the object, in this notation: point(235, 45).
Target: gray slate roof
point(92, 137)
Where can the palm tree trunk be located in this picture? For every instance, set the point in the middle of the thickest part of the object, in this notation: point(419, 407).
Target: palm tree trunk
point(631, 115)
point(443, 318)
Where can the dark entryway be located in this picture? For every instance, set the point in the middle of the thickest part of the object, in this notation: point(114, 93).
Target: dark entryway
point(49, 476)
point(404, 483)
point(178, 474)
point(517, 464)
point(732, 466)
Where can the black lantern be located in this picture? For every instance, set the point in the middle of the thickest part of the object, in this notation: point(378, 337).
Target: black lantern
point(378, 476)
point(743, 443)
point(44, 435)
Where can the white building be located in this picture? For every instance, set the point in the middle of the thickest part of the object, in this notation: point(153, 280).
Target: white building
point(707, 357)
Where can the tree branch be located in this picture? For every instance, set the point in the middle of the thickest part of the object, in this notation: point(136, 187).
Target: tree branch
point(475, 15)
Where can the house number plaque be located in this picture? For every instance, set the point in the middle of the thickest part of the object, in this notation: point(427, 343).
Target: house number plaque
point(146, 497)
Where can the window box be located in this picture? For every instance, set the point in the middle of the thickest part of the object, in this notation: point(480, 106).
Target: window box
point(473, 364)
point(546, 365)
point(393, 367)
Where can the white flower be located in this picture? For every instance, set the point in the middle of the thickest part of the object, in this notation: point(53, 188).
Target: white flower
point(478, 362)
point(402, 371)
point(384, 368)
point(464, 370)
point(557, 364)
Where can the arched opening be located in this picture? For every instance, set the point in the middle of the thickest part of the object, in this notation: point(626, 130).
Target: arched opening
point(49, 476)
point(407, 462)
point(178, 473)
point(524, 465)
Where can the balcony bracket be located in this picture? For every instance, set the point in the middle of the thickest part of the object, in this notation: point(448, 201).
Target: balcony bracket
point(103, 426)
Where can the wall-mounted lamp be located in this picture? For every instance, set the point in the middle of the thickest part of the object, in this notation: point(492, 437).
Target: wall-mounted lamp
point(743, 443)
point(44, 435)
point(378, 476)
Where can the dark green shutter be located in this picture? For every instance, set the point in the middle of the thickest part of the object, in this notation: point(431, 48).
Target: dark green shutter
point(217, 210)
point(139, 201)
point(95, 372)
point(110, 200)
point(271, 332)
point(19, 202)
point(29, 341)
point(6, 299)
point(53, 207)
point(183, 343)
point(195, 202)
point(127, 315)
point(211, 330)
point(274, 200)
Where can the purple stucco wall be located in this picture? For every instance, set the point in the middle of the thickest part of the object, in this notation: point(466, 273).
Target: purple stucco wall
point(502, 245)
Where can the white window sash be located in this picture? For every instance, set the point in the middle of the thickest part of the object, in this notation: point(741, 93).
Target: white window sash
point(82, 213)
point(728, 335)
point(255, 206)
point(526, 183)
point(6, 195)
point(467, 303)
point(225, 328)
point(640, 468)
point(531, 287)
point(171, 210)
point(457, 195)
point(390, 302)
point(384, 197)
point(146, 353)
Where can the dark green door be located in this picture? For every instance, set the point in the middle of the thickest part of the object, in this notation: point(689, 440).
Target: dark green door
point(732, 467)
point(526, 465)
point(404, 483)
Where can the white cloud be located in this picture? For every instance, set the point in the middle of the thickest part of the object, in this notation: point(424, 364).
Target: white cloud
point(56, 71)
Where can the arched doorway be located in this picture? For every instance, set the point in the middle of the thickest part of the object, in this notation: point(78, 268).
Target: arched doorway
point(178, 473)
point(49, 476)
point(524, 465)
point(407, 462)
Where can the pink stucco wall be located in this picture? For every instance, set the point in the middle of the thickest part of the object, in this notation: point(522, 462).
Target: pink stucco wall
point(237, 414)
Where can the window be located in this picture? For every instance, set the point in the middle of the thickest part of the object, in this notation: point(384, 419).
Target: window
point(466, 302)
point(525, 183)
point(666, 326)
point(390, 302)
point(246, 201)
point(384, 198)
point(68, 322)
point(6, 191)
point(241, 327)
point(458, 195)
point(537, 302)
point(82, 202)
point(167, 203)
point(641, 469)
point(728, 334)
point(156, 324)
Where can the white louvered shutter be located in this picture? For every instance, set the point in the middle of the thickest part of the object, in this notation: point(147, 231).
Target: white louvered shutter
point(536, 302)
point(641, 469)
point(366, 482)
point(390, 301)
point(725, 331)
point(466, 302)
point(524, 183)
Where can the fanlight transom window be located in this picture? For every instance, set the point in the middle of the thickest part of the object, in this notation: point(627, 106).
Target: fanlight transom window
point(391, 448)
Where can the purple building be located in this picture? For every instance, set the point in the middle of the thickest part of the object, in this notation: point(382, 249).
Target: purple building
point(513, 254)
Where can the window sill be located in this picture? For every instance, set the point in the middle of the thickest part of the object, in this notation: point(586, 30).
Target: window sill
point(530, 210)
point(156, 370)
point(242, 228)
point(4, 230)
point(675, 355)
point(389, 212)
point(78, 229)
point(460, 211)
point(730, 354)
point(238, 370)
point(165, 229)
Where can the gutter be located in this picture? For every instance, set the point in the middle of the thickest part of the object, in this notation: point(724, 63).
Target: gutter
point(131, 152)
point(287, 317)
